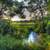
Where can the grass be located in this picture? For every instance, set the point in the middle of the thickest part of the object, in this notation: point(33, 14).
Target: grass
point(22, 24)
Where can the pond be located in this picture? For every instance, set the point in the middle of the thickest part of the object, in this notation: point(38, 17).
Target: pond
point(32, 37)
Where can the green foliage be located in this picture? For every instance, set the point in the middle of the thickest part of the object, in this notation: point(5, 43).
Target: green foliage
point(13, 33)
point(48, 27)
point(17, 28)
point(48, 5)
point(9, 43)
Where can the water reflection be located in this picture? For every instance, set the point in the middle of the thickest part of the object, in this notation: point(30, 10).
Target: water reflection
point(32, 37)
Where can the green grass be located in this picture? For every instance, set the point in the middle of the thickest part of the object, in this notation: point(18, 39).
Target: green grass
point(22, 24)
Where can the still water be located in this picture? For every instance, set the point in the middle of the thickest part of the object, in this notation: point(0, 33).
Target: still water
point(32, 37)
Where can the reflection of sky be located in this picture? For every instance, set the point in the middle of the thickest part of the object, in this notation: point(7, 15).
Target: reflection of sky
point(32, 37)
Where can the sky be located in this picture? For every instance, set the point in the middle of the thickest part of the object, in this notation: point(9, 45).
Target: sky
point(20, 0)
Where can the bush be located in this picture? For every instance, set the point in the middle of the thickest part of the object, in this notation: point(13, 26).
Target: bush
point(15, 29)
point(48, 27)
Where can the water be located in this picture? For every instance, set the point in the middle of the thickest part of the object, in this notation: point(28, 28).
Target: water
point(32, 37)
